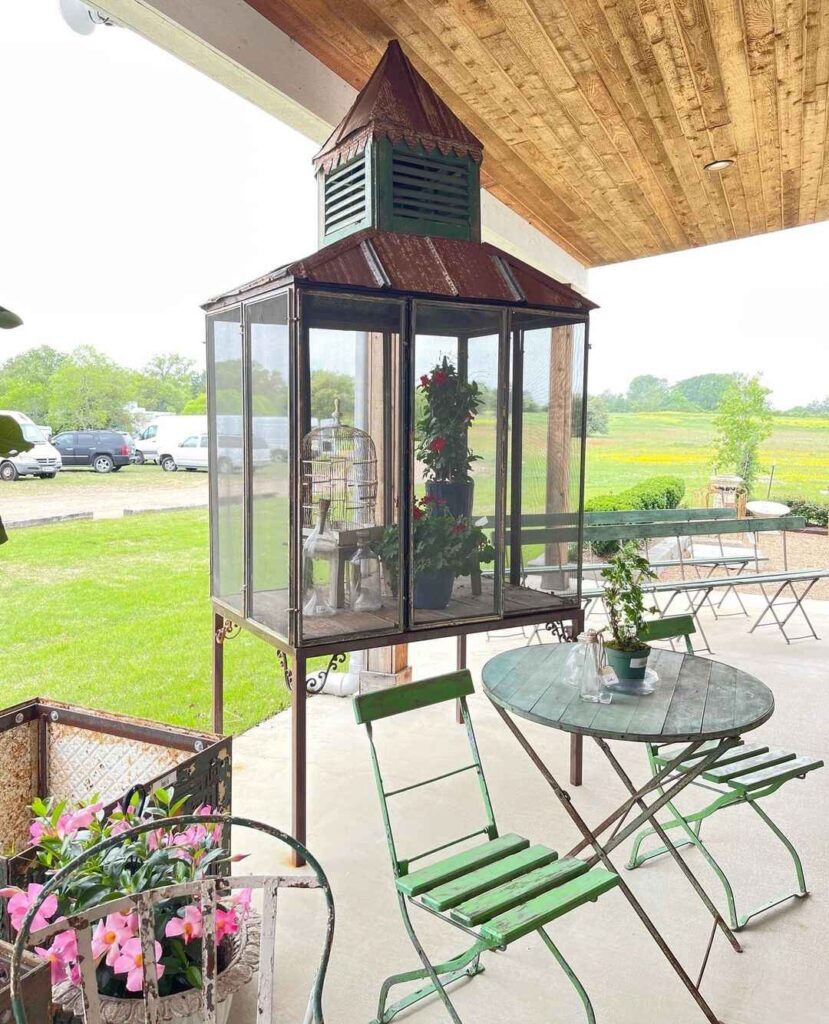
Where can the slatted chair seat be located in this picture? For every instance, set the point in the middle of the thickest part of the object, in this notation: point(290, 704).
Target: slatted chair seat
point(744, 774)
point(500, 889)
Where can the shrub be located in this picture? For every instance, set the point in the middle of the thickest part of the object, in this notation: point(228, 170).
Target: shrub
point(654, 493)
point(815, 513)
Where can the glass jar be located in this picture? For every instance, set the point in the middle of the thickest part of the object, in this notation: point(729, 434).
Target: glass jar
point(319, 567)
point(584, 668)
point(365, 591)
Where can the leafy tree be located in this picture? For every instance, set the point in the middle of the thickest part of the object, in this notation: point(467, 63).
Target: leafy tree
point(326, 386)
point(614, 402)
point(647, 393)
point(706, 390)
point(195, 406)
point(90, 391)
point(598, 421)
point(743, 422)
point(26, 380)
point(819, 408)
point(166, 382)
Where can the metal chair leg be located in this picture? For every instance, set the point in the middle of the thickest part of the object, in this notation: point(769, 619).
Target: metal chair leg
point(466, 965)
point(571, 974)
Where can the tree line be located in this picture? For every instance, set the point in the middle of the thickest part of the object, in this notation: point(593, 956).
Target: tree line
point(86, 390)
point(702, 393)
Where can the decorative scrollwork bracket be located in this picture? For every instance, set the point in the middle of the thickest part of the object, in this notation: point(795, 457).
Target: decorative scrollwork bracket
point(227, 631)
point(316, 682)
point(286, 668)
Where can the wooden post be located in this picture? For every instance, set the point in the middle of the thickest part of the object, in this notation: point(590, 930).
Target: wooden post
point(299, 756)
point(559, 433)
point(386, 666)
point(218, 673)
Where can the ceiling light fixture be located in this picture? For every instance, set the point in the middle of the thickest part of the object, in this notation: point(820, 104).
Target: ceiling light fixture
point(718, 165)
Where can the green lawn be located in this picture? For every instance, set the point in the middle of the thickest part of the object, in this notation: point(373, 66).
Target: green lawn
point(116, 614)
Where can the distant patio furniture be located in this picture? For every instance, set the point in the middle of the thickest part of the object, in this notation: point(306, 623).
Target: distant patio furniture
point(497, 891)
point(206, 893)
point(744, 775)
point(695, 702)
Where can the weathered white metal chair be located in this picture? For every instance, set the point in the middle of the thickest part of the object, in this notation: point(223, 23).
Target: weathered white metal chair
point(208, 892)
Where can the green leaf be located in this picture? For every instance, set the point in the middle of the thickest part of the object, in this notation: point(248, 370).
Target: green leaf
point(12, 440)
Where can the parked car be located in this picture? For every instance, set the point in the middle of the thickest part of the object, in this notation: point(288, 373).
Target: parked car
point(192, 454)
point(43, 460)
point(165, 433)
point(105, 451)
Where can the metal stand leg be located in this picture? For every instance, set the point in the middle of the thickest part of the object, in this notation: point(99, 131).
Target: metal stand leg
point(601, 855)
point(299, 755)
point(218, 672)
point(576, 759)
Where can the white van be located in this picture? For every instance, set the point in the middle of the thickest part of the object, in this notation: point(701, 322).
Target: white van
point(165, 433)
point(43, 460)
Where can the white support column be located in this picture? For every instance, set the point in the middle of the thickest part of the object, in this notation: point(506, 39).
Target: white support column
point(234, 44)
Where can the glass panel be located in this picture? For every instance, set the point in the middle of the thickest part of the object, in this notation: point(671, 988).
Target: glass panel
point(224, 340)
point(267, 322)
point(456, 361)
point(543, 556)
point(349, 463)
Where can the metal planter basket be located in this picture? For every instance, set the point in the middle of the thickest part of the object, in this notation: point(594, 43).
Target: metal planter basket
point(49, 749)
point(36, 985)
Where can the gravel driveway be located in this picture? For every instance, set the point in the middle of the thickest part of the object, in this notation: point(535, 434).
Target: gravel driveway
point(106, 496)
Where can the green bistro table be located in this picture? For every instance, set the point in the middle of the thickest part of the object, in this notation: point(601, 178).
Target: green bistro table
point(696, 701)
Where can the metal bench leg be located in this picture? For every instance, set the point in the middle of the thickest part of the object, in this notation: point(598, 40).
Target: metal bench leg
point(466, 965)
point(571, 974)
point(798, 606)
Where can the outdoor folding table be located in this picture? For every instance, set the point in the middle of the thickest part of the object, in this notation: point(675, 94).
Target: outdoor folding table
point(696, 701)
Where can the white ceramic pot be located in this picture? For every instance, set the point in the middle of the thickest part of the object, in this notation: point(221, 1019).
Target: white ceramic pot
point(183, 1007)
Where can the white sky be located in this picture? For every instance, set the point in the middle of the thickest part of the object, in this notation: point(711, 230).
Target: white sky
point(134, 188)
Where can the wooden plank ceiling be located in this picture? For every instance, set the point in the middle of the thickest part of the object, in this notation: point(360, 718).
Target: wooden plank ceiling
point(597, 116)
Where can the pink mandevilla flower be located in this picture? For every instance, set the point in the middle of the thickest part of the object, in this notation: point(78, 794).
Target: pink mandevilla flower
point(131, 963)
point(110, 935)
point(226, 923)
point(19, 903)
point(189, 926)
point(62, 954)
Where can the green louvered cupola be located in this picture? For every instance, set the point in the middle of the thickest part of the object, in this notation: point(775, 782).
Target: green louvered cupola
point(400, 161)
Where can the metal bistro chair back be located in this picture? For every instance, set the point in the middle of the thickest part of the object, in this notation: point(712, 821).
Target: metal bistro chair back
point(743, 775)
point(207, 892)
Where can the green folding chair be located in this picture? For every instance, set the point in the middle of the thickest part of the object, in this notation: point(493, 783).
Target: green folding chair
point(496, 891)
point(744, 775)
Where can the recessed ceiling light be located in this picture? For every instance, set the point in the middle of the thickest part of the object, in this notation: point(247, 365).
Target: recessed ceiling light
point(718, 165)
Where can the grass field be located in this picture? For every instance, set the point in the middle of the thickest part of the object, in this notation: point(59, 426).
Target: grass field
point(642, 444)
point(115, 614)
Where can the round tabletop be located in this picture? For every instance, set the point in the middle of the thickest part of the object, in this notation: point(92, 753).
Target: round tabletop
point(694, 698)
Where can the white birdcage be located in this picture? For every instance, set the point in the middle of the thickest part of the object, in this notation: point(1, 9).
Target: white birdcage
point(339, 464)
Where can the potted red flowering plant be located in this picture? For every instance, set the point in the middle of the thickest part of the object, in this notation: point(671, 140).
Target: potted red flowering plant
point(447, 408)
point(151, 860)
point(445, 547)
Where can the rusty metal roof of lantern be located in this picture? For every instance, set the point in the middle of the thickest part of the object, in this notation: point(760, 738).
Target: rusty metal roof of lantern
point(398, 103)
point(422, 265)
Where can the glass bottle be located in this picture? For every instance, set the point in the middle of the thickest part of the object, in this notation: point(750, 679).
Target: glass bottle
point(584, 668)
point(318, 564)
point(366, 590)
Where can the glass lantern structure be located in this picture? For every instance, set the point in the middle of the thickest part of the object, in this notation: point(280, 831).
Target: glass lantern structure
point(425, 389)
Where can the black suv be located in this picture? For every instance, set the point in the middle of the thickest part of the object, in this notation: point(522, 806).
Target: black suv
point(105, 451)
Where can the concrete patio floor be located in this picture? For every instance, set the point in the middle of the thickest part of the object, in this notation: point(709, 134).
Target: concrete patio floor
point(783, 975)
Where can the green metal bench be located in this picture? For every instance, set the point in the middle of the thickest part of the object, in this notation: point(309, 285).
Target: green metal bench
point(497, 891)
point(744, 775)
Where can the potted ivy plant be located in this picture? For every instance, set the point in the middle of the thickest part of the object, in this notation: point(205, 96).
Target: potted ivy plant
point(447, 406)
point(445, 546)
point(624, 600)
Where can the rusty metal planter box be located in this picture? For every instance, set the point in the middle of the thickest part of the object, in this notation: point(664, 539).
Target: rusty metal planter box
point(49, 749)
point(37, 986)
